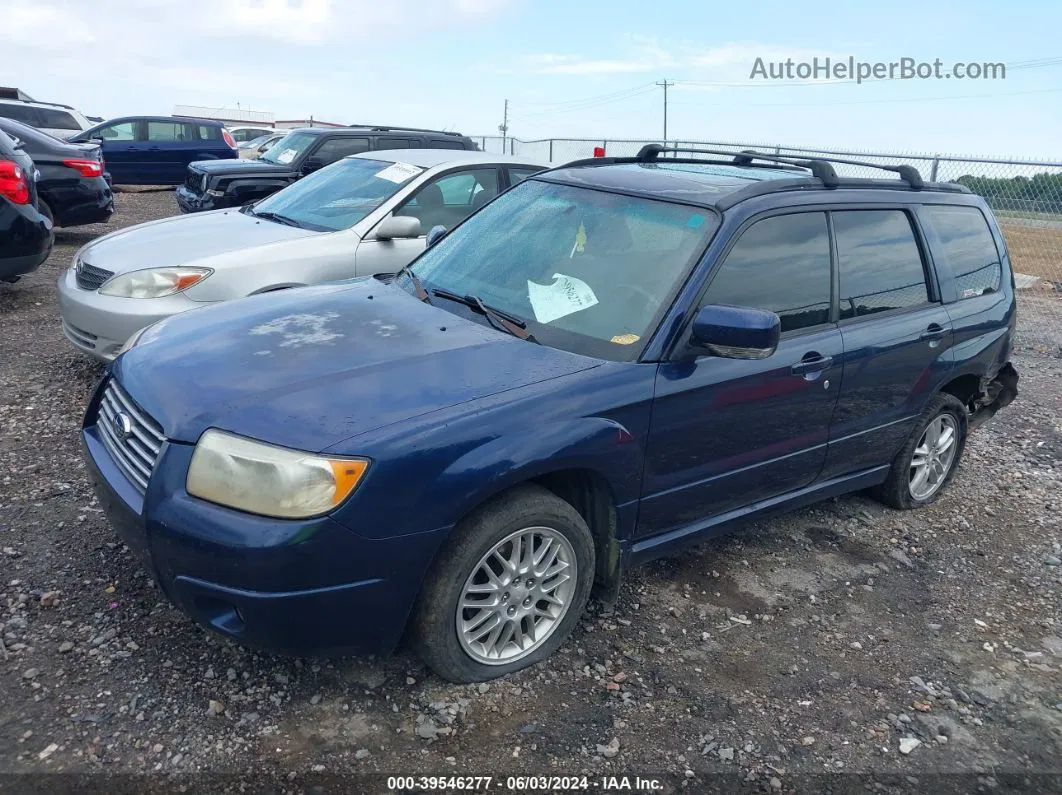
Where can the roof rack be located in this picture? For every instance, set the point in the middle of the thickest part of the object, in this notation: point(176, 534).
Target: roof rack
point(378, 128)
point(819, 167)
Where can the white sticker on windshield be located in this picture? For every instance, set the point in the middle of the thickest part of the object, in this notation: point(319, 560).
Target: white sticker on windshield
point(564, 296)
point(399, 172)
point(287, 156)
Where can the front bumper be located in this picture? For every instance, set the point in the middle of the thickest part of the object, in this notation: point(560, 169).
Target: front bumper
point(298, 587)
point(191, 202)
point(99, 324)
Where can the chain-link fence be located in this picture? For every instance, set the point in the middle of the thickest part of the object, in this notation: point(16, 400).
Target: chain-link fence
point(1025, 195)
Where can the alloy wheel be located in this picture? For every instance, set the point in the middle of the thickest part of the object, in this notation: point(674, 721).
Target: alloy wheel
point(516, 596)
point(933, 457)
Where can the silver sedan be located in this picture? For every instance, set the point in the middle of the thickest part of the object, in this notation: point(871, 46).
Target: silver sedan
point(363, 215)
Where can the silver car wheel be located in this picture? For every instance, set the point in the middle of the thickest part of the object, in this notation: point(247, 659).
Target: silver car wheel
point(933, 457)
point(516, 596)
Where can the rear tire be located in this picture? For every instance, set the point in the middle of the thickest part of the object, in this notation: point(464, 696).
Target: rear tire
point(46, 211)
point(471, 624)
point(926, 464)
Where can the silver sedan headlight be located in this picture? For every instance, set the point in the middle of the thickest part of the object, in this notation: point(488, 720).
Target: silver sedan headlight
point(271, 481)
point(153, 282)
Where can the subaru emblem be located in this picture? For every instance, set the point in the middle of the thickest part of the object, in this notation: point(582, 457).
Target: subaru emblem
point(123, 426)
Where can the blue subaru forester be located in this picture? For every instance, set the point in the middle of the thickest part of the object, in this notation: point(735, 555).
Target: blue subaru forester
point(610, 360)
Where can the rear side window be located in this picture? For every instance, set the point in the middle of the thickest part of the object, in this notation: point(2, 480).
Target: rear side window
point(208, 133)
point(780, 264)
point(22, 113)
point(57, 119)
point(392, 143)
point(338, 148)
point(969, 249)
point(520, 174)
point(165, 131)
point(880, 262)
point(439, 143)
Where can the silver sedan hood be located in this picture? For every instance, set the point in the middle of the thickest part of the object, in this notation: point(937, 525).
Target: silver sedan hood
point(185, 239)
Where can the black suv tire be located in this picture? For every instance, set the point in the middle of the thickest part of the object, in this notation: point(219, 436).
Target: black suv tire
point(896, 492)
point(434, 633)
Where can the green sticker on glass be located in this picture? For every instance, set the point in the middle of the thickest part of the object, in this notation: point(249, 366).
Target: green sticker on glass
point(696, 221)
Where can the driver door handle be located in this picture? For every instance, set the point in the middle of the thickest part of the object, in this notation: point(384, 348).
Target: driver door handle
point(934, 331)
point(812, 362)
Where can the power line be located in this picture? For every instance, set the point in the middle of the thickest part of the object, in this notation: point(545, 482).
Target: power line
point(587, 105)
point(867, 101)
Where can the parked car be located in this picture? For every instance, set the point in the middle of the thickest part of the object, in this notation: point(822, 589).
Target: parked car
point(212, 186)
point(156, 150)
point(62, 121)
point(246, 133)
point(612, 360)
point(364, 215)
point(256, 147)
point(25, 233)
point(71, 188)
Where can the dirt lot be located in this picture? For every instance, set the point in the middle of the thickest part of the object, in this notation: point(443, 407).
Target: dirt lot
point(845, 646)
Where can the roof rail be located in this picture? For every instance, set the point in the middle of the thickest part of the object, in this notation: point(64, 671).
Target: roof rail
point(379, 128)
point(820, 167)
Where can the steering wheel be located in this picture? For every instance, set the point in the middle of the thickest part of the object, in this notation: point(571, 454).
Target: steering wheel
point(648, 300)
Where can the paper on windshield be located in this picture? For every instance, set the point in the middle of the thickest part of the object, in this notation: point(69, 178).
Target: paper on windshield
point(287, 156)
point(399, 172)
point(565, 296)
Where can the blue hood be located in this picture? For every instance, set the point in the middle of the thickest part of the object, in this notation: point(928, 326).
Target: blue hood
point(308, 368)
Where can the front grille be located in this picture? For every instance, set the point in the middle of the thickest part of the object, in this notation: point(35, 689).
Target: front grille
point(130, 435)
point(194, 180)
point(89, 277)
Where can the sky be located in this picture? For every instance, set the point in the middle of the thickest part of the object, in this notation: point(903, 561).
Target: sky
point(569, 69)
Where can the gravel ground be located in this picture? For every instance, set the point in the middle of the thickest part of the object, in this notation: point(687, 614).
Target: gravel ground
point(844, 639)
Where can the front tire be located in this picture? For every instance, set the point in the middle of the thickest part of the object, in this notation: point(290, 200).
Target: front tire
point(508, 588)
point(928, 461)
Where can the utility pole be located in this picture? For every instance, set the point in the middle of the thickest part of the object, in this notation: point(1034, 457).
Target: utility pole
point(503, 128)
point(665, 84)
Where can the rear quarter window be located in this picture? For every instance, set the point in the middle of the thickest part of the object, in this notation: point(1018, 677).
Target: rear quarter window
point(968, 248)
point(57, 119)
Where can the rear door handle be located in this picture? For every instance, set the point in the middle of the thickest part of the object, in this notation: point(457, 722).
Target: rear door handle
point(812, 362)
point(934, 331)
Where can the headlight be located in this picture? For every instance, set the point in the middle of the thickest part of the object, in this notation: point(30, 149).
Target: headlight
point(271, 481)
point(154, 282)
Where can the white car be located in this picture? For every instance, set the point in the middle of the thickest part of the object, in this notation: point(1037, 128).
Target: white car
point(363, 215)
point(60, 121)
point(249, 132)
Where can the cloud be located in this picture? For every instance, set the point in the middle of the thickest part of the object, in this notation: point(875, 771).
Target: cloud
point(642, 54)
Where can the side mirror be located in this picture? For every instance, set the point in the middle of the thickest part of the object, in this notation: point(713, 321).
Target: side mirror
point(397, 227)
point(436, 234)
point(311, 165)
point(737, 332)
point(18, 143)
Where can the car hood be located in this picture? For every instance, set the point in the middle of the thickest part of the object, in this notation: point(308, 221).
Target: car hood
point(311, 367)
point(238, 167)
point(184, 239)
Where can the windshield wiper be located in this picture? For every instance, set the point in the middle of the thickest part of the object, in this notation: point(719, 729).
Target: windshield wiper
point(497, 318)
point(280, 219)
point(418, 285)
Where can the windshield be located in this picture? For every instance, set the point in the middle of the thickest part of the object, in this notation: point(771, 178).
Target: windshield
point(292, 147)
point(589, 271)
point(339, 196)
